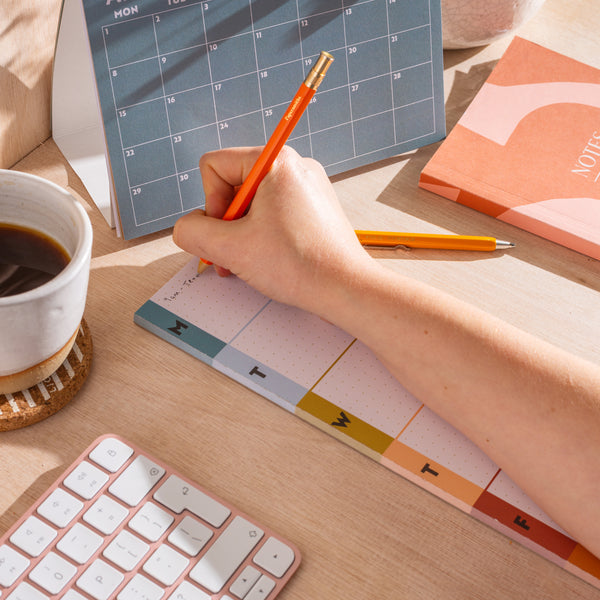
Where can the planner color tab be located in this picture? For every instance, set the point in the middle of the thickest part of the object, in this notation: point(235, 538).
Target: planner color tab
point(336, 383)
point(177, 79)
point(345, 422)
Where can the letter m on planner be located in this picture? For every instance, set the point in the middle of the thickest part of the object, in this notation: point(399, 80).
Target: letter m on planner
point(179, 327)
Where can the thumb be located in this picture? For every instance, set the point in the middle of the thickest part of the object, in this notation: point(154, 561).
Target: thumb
point(203, 237)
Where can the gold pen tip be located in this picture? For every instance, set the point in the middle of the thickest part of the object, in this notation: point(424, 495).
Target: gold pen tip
point(202, 266)
point(316, 74)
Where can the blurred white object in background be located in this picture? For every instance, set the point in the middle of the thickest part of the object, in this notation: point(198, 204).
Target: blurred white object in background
point(469, 23)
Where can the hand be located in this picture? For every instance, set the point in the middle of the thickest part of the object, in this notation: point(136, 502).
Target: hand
point(293, 245)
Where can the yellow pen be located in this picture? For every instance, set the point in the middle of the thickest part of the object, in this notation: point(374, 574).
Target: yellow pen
point(391, 240)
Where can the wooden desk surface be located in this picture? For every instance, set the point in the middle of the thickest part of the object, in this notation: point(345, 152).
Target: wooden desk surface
point(364, 531)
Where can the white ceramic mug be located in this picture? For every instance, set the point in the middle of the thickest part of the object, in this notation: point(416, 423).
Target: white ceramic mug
point(38, 327)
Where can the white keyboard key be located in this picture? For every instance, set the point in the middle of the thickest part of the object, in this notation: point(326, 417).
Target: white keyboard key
point(262, 589)
point(100, 580)
point(85, 480)
point(126, 550)
point(178, 495)
point(140, 588)
point(226, 554)
point(136, 480)
point(105, 515)
point(275, 557)
point(111, 454)
point(166, 565)
point(244, 582)
point(79, 543)
point(25, 591)
point(190, 536)
point(53, 573)
point(73, 595)
point(151, 521)
point(12, 565)
point(33, 536)
point(60, 507)
point(187, 591)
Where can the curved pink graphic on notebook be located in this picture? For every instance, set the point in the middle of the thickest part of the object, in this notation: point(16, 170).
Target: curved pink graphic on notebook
point(562, 220)
point(500, 108)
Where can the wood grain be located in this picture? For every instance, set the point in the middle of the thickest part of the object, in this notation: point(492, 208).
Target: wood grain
point(27, 37)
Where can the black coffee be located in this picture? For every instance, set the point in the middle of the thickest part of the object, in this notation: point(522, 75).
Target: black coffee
point(28, 259)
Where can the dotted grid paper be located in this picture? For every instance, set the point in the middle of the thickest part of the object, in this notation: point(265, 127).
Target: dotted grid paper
point(326, 377)
point(177, 78)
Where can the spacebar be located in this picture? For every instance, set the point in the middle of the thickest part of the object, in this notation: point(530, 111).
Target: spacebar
point(226, 554)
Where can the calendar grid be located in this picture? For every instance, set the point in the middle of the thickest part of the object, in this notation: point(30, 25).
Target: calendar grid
point(162, 83)
point(431, 50)
point(350, 121)
point(348, 76)
point(112, 92)
point(257, 73)
point(390, 66)
point(209, 71)
point(304, 72)
point(177, 81)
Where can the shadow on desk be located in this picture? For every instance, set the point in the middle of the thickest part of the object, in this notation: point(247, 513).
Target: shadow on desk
point(463, 220)
point(29, 496)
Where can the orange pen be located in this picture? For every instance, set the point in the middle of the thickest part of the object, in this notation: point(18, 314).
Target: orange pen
point(391, 240)
point(282, 132)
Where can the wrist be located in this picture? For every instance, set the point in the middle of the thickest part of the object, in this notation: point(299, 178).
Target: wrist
point(352, 297)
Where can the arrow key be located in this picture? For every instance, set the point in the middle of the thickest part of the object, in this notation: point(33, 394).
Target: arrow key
point(275, 557)
point(262, 589)
point(247, 578)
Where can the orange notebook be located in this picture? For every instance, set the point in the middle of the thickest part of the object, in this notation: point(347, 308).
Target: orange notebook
point(527, 149)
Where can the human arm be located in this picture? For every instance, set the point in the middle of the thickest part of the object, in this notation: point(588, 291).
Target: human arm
point(534, 409)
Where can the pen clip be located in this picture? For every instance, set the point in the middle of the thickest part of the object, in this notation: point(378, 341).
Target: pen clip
point(397, 247)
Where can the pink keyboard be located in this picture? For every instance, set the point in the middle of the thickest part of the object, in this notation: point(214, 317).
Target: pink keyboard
point(121, 524)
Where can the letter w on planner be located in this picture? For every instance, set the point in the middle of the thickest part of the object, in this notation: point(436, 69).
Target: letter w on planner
point(343, 420)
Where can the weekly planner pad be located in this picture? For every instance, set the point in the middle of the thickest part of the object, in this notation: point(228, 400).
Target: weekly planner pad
point(176, 78)
point(321, 374)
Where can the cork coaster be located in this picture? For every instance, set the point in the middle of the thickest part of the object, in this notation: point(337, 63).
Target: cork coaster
point(32, 405)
